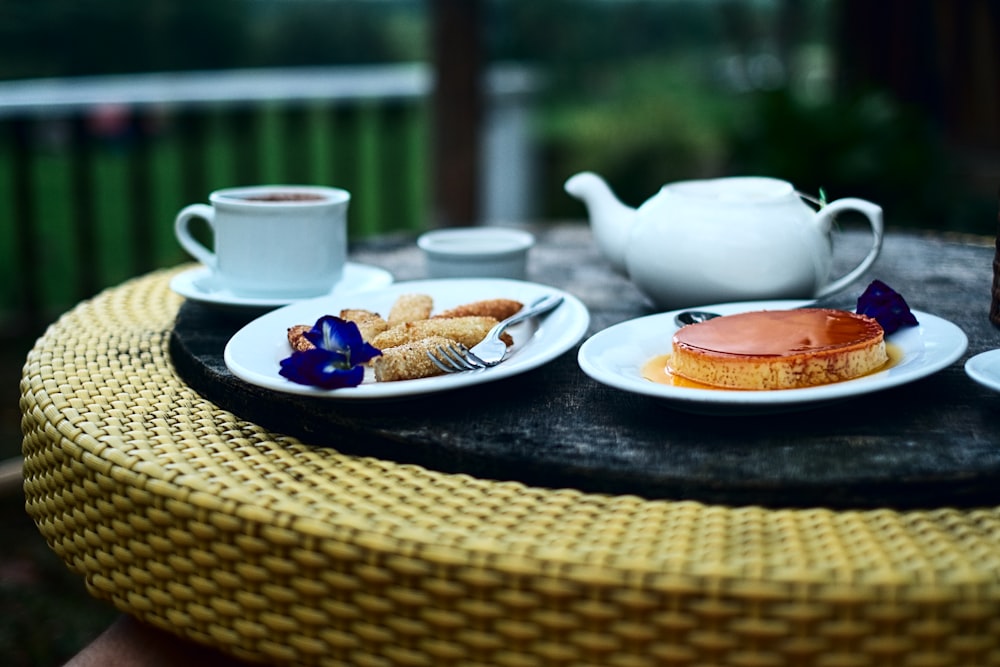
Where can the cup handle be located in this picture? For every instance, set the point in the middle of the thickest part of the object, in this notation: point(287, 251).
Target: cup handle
point(182, 231)
point(873, 213)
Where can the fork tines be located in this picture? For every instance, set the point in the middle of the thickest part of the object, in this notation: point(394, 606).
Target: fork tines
point(455, 358)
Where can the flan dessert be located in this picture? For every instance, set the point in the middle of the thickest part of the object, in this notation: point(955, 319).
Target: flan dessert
point(779, 349)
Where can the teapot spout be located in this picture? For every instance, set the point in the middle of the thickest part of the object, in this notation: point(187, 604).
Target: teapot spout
point(611, 221)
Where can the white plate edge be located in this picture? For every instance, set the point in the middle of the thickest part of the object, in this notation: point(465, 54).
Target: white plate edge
point(975, 368)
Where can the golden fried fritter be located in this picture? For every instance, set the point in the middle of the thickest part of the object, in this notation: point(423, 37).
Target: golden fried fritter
point(466, 330)
point(499, 309)
point(410, 308)
point(409, 361)
point(369, 324)
point(297, 338)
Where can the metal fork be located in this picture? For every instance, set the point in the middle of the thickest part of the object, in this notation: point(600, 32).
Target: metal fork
point(491, 350)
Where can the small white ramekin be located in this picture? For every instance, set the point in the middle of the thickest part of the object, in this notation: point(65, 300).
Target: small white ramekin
point(476, 252)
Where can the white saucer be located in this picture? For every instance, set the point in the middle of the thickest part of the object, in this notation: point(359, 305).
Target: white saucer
point(198, 284)
point(615, 357)
point(255, 352)
point(984, 368)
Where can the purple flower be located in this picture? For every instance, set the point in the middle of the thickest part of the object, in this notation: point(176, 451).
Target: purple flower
point(337, 359)
point(887, 306)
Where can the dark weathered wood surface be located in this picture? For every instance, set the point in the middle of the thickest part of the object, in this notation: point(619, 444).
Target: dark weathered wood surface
point(931, 443)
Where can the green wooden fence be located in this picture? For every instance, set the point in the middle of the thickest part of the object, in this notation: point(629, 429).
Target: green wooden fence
point(88, 191)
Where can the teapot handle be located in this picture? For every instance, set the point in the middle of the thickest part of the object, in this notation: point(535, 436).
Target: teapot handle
point(873, 213)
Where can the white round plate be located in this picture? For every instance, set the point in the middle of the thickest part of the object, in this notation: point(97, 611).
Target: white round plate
point(984, 368)
point(615, 357)
point(198, 284)
point(255, 352)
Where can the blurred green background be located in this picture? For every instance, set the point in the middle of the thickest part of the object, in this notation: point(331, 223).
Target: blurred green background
point(644, 91)
point(894, 101)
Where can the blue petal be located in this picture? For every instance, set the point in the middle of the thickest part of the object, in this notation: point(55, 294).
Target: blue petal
point(887, 306)
point(364, 354)
point(334, 334)
point(321, 368)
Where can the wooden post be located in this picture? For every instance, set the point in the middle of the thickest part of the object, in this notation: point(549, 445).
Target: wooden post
point(995, 292)
point(457, 108)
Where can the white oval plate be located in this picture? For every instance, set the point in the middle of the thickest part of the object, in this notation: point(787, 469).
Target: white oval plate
point(615, 357)
point(198, 284)
point(984, 368)
point(255, 352)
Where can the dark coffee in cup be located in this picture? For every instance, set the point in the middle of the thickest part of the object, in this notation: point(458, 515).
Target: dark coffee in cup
point(286, 196)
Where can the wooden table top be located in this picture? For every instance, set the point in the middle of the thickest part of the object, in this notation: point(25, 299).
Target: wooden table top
point(930, 443)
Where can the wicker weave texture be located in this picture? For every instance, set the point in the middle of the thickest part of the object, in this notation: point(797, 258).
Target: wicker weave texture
point(183, 515)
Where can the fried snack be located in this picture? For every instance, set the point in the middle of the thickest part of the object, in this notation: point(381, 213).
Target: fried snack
point(466, 330)
point(369, 324)
point(297, 337)
point(409, 361)
point(499, 309)
point(410, 308)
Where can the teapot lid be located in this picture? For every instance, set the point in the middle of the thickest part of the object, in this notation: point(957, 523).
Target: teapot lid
point(733, 188)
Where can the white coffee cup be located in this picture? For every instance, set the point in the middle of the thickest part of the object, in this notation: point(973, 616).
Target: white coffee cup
point(271, 240)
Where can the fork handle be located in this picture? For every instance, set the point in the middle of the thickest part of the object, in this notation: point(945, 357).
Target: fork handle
point(545, 304)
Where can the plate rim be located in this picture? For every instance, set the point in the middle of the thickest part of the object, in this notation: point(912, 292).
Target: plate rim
point(766, 399)
point(184, 284)
point(562, 340)
point(974, 369)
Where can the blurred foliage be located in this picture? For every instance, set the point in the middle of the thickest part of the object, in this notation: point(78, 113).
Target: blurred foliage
point(861, 145)
point(44, 38)
point(575, 37)
point(660, 125)
point(641, 91)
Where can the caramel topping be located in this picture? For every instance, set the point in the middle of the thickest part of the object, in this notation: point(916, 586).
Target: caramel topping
point(777, 333)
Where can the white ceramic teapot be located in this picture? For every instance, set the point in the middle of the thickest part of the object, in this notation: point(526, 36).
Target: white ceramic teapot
point(717, 240)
